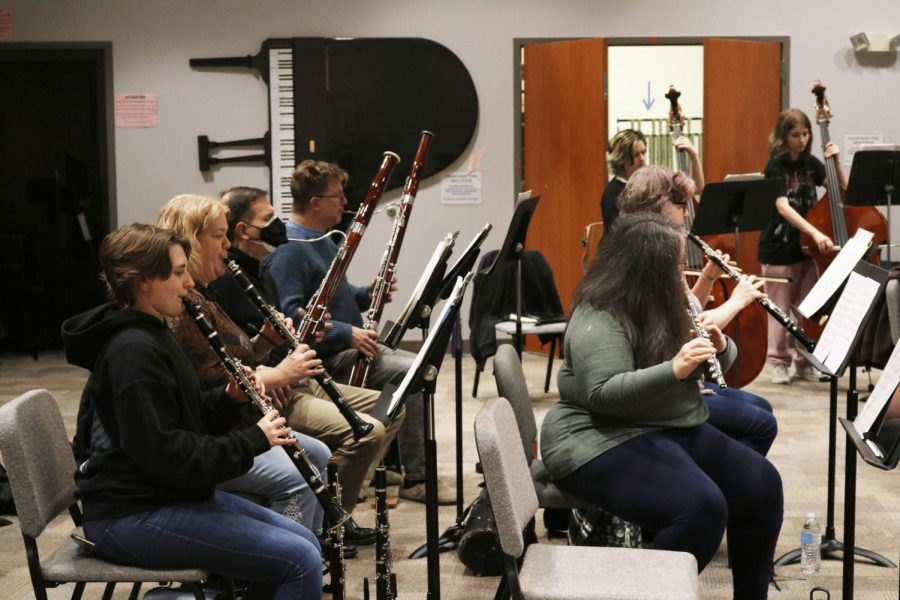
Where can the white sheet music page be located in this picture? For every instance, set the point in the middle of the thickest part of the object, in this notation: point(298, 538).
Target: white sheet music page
point(836, 273)
point(844, 322)
point(429, 341)
point(881, 395)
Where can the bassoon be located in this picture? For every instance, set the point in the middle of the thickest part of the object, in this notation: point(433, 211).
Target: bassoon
point(382, 285)
point(357, 424)
point(335, 514)
point(321, 300)
point(777, 314)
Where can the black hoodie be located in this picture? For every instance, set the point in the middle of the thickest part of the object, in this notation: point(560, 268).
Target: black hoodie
point(145, 393)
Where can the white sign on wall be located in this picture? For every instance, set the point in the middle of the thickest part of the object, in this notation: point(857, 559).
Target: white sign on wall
point(461, 188)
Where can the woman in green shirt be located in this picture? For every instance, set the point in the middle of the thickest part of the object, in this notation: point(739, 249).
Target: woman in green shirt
point(629, 432)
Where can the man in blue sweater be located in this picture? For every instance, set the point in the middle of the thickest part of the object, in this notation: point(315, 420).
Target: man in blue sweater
point(298, 267)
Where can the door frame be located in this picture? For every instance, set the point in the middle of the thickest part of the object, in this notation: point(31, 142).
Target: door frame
point(519, 43)
point(100, 54)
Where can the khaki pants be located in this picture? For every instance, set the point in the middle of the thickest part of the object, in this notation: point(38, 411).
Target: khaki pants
point(312, 412)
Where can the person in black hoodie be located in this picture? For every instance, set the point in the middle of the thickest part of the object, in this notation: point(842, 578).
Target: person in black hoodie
point(149, 499)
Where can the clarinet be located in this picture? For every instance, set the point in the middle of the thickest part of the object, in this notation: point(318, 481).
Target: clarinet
point(335, 514)
point(778, 314)
point(385, 579)
point(382, 284)
point(321, 300)
point(357, 424)
point(336, 567)
point(715, 369)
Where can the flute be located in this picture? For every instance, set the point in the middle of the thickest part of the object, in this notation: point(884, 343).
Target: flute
point(715, 369)
point(335, 514)
point(778, 314)
point(357, 424)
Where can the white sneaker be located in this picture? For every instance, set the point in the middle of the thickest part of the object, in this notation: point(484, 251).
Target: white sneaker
point(809, 373)
point(780, 374)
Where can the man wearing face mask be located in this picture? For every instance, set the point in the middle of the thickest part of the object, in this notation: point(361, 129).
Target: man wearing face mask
point(254, 232)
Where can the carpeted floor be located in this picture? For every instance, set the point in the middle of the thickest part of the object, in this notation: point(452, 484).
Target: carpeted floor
point(799, 452)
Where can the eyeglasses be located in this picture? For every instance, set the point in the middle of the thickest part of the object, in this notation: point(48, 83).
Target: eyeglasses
point(340, 196)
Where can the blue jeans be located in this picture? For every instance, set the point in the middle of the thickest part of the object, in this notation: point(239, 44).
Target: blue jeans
point(278, 483)
point(742, 416)
point(686, 485)
point(228, 535)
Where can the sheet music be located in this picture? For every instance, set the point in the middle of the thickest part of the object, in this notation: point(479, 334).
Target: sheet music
point(881, 395)
point(855, 248)
point(433, 262)
point(455, 297)
point(844, 323)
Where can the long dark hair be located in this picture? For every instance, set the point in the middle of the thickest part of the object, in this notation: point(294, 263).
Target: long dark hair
point(636, 277)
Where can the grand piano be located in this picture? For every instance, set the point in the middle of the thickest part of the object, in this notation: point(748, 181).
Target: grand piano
point(348, 100)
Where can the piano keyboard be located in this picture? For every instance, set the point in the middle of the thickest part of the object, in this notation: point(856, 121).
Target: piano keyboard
point(281, 127)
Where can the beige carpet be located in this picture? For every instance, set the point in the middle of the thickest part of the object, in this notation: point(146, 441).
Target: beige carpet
point(800, 453)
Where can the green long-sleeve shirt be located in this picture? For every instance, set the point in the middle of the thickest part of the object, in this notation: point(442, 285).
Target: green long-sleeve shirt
point(605, 400)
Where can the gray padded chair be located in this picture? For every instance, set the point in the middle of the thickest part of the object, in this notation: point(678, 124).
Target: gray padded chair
point(511, 385)
point(41, 467)
point(551, 572)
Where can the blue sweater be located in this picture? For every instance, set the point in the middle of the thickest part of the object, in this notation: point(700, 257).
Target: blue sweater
point(297, 269)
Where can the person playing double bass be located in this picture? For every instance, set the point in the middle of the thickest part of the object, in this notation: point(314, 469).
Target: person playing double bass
point(780, 252)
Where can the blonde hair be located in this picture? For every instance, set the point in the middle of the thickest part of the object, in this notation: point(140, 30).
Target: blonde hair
point(619, 157)
point(187, 215)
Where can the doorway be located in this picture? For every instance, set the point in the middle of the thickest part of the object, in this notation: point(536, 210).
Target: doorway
point(56, 186)
point(567, 91)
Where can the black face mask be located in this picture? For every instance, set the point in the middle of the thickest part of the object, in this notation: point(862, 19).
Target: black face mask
point(273, 234)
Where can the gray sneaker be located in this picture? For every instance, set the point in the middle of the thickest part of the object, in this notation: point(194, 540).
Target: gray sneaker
point(780, 374)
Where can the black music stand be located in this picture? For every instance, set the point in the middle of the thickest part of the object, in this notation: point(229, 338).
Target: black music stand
point(449, 539)
point(829, 543)
point(735, 207)
point(422, 378)
point(873, 175)
point(511, 252)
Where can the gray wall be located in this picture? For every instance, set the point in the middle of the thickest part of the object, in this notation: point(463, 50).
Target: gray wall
point(153, 40)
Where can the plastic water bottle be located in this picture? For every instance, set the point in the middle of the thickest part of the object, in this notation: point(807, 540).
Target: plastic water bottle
point(811, 545)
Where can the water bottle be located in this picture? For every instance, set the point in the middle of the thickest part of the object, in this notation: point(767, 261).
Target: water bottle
point(811, 545)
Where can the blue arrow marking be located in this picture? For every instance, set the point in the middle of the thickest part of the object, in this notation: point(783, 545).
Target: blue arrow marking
point(648, 103)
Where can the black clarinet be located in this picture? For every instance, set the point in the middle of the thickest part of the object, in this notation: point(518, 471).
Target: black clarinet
point(715, 369)
point(334, 513)
point(336, 567)
point(385, 579)
point(359, 426)
point(777, 314)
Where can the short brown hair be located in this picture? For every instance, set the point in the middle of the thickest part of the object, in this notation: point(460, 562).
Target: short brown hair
point(619, 157)
point(133, 252)
point(187, 215)
point(310, 178)
point(239, 201)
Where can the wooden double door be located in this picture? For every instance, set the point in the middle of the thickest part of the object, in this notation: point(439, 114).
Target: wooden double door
point(565, 133)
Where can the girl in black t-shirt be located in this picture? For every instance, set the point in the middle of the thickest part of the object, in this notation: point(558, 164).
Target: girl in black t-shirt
point(780, 253)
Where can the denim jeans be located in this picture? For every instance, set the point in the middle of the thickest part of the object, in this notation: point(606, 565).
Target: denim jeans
point(275, 479)
point(228, 535)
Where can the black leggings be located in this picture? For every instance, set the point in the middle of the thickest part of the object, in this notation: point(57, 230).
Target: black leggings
point(686, 485)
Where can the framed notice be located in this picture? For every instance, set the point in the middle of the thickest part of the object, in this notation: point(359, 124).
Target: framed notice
point(135, 110)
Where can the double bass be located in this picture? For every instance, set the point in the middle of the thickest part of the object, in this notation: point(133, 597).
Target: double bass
point(828, 215)
point(748, 328)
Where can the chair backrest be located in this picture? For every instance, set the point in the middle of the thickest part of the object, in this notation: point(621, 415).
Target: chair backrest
point(593, 233)
point(506, 473)
point(892, 297)
point(511, 385)
point(38, 458)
